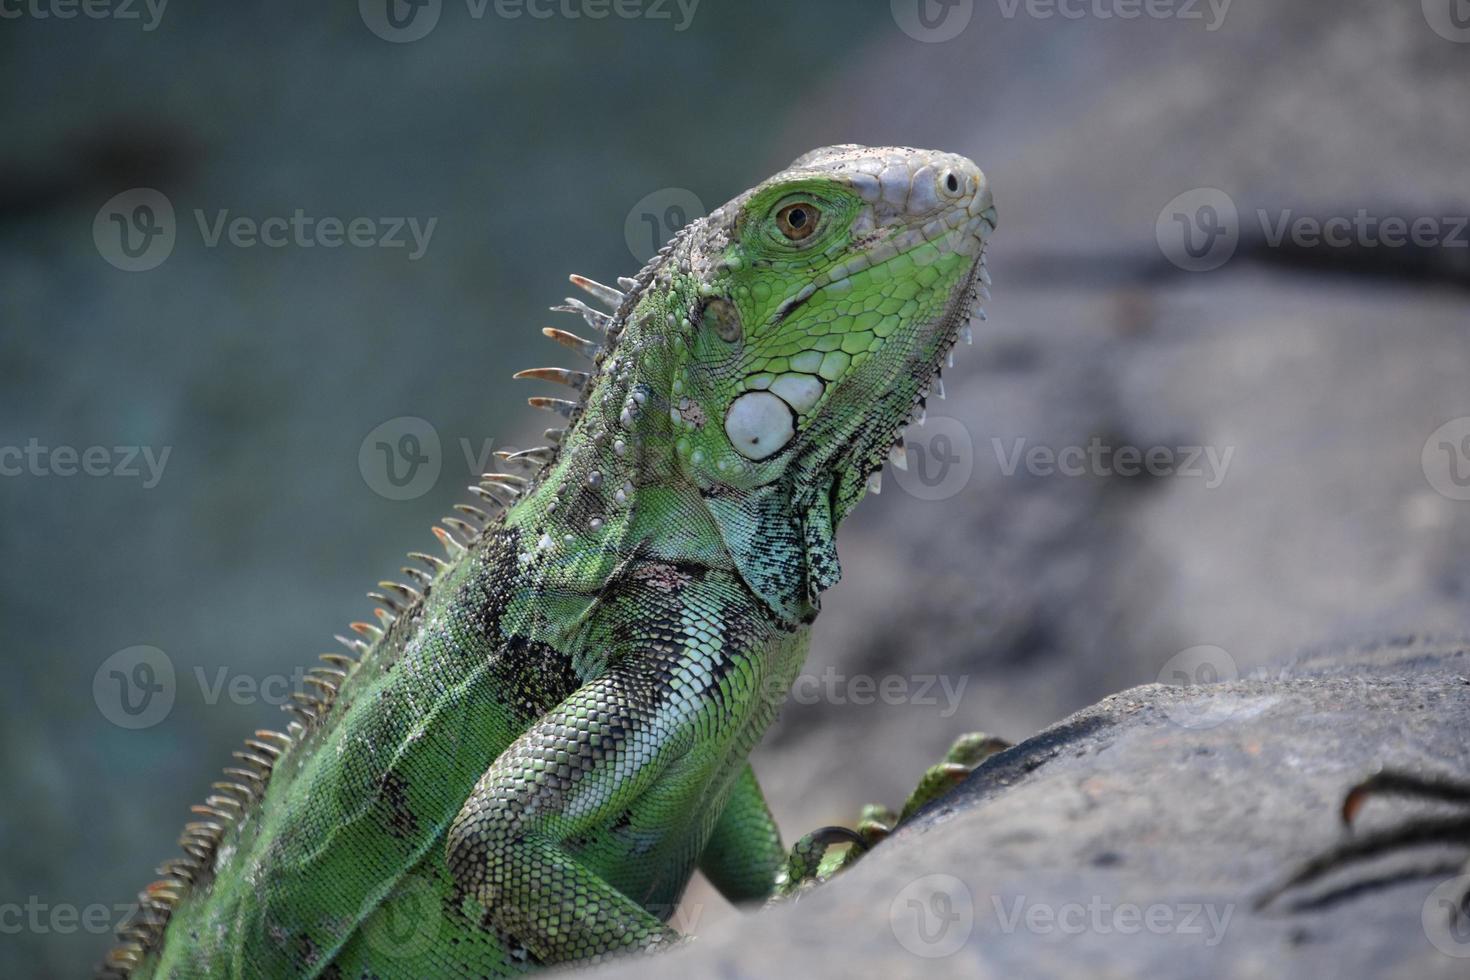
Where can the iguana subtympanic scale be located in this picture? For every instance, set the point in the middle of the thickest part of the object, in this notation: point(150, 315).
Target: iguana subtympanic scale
point(525, 762)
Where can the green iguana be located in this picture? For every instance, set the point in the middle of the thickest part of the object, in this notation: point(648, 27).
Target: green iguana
point(547, 735)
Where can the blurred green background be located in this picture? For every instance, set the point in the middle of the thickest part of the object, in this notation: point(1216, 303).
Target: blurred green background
point(541, 147)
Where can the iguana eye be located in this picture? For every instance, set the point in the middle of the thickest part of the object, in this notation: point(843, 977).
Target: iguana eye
point(798, 221)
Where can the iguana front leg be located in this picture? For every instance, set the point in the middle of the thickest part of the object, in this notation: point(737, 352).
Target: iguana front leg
point(744, 854)
point(593, 756)
point(596, 815)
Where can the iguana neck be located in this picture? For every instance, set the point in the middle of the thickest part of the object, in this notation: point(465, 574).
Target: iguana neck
point(615, 491)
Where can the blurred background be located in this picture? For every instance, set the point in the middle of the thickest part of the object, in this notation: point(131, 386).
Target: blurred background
point(241, 245)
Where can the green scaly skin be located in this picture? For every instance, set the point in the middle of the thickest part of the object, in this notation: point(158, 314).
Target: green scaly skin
point(549, 735)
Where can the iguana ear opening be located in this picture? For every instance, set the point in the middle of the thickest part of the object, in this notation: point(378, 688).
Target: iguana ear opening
point(787, 558)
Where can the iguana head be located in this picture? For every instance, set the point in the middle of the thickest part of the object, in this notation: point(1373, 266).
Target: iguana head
point(767, 360)
point(826, 298)
point(819, 307)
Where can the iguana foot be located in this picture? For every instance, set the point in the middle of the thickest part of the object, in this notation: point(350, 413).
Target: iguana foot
point(1415, 832)
point(812, 859)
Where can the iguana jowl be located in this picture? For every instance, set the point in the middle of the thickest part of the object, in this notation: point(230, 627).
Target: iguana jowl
point(549, 732)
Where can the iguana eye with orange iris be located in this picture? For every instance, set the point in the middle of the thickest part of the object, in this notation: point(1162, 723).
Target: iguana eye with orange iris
point(798, 221)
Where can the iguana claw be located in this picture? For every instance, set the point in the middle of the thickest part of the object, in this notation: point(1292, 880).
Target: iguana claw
point(809, 861)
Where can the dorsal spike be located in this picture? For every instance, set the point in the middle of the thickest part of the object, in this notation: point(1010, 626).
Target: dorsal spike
point(261, 763)
point(403, 592)
point(221, 802)
point(596, 319)
point(264, 748)
point(487, 494)
point(512, 457)
point(470, 510)
point(322, 684)
point(356, 646)
point(537, 456)
point(204, 810)
point(510, 481)
point(387, 602)
point(165, 889)
point(418, 575)
point(434, 562)
point(126, 958)
point(368, 630)
point(343, 664)
point(560, 406)
point(603, 294)
point(572, 342)
point(898, 456)
point(385, 617)
point(466, 530)
point(451, 547)
point(269, 735)
point(182, 868)
point(554, 436)
point(334, 673)
point(253, 778)
point(626, 284)
point(306, 717)
point(572, 379)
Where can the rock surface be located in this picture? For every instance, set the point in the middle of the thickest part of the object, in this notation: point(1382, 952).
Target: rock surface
point(1133, 838)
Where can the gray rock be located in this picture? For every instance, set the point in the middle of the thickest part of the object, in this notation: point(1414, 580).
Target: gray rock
point(1133, 838)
